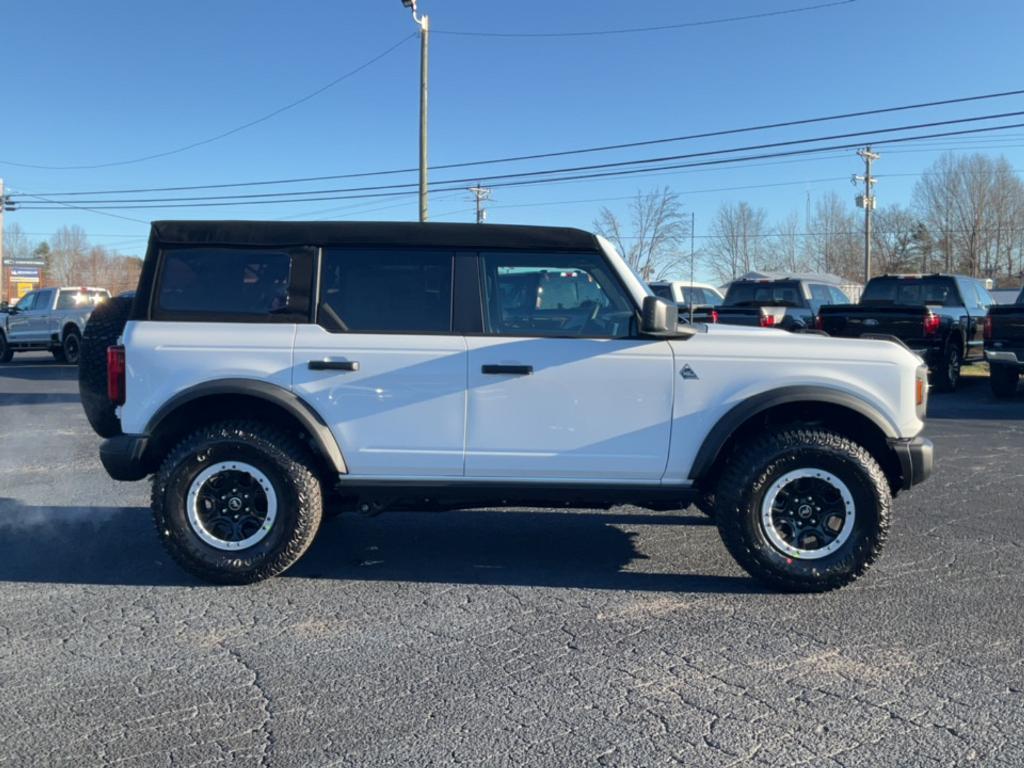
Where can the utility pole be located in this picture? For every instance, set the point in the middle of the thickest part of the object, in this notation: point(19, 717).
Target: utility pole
point(481, 193)
point(424, 24)
point(867, 202)
point(693, 220)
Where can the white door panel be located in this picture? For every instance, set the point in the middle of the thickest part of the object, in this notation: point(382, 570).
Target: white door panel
point(592, 409)
point(402, 412)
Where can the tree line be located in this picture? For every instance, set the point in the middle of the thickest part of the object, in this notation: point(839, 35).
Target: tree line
point(70, 259)
point(966, 215)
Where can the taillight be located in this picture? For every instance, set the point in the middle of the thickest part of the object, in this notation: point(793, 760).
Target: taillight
point(988, 327)
point(714, 315)
point(116, 375)
point(931, 324)
point(767, 321)
point(819, 323)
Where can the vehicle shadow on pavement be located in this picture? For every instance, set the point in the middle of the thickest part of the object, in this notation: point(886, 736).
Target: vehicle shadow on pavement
point(83, 545)
point(512, 548)
point(38, 398)
point(34, 370)
point(973, 399)
point(118, 546)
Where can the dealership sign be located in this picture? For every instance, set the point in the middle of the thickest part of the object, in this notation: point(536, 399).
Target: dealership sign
point(24, 274)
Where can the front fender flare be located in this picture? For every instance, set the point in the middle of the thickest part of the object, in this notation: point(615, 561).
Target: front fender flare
point(724, 428)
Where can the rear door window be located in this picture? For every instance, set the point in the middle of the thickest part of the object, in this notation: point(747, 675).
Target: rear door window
point(235, 285)
point(386, 291)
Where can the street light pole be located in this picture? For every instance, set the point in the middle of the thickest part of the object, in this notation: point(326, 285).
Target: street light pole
point(424, 24)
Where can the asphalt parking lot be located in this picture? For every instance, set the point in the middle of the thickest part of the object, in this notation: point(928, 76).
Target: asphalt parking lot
point(524, 637)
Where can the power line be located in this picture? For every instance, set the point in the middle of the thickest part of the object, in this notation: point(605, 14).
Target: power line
point(524, 178)
point(562, 153)
point(225, 134)
point(658, 28)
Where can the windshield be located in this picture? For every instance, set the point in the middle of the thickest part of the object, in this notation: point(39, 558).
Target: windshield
point(785, 293)
point(939, 291)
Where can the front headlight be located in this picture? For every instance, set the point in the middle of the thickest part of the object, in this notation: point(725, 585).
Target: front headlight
point(921, 391)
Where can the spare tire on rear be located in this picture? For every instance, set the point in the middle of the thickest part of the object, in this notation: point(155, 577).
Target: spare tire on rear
point(104, 328)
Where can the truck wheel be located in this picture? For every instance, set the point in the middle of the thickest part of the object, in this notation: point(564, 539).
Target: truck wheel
point(803, 510)
point(6, 353)
point(237, 502)
point(947, 376)
point(71, 349)
point(1003, 380)
point(105, 326)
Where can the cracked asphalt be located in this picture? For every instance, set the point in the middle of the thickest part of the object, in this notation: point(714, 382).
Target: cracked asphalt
point(516, 638)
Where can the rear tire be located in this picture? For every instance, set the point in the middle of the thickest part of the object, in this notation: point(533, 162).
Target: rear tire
point(947, 376)
point(795, 477)
point(6, 353)
point(234, 544)
point(1003, 379)
point(105, 326)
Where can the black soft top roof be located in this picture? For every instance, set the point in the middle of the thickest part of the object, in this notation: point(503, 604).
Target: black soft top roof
point(393, 233)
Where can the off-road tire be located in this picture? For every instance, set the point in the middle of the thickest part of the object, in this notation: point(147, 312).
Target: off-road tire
point(947, 375)
point(105, 326)
point(1003, 379)
point(6, 353)
point(284, 461)
point(751, 472)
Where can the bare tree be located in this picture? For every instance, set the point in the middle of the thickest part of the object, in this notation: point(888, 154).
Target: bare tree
point(834, 243)
point(737, 242)
point(895, 240)
point(785, 251)
point(17, 246)
point(655, 247)
point(67, 251)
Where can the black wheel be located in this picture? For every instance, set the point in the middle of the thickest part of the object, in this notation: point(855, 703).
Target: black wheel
point(6, 353)
point(106, 323)
point(803, 510)
point(1003, 380)
point(71, 349)
point(237, 502)
point(947, 375)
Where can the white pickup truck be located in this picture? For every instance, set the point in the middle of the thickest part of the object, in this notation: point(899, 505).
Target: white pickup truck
point(266, 367)
point(51, 319)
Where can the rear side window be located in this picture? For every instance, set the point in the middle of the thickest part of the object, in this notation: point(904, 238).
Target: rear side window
point(820, 294)
point(386, 291)
point(937, 291)
point(234, 285)
point(80, 299)
point(838, 297)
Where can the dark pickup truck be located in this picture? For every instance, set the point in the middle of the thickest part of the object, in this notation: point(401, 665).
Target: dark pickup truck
point(940, 317)
point(1004, 346)
point(789, 302)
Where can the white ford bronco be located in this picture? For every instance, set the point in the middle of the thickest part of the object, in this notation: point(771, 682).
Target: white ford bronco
point(262, 369)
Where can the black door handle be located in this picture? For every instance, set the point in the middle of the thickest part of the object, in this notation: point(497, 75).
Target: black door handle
point(333, 365)
point(514, 370)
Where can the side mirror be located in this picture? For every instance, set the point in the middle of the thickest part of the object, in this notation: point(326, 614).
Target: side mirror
point(659, 317)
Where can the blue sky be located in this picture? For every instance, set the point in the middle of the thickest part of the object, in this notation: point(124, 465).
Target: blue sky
point(104, 81)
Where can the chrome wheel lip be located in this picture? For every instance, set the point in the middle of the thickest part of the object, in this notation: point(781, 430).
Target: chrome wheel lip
point(196, 522)
point(775, 537)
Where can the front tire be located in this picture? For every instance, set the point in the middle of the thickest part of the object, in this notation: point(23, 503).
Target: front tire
point(1003, 379)
point(6, 353)
point(803, 510)
point(237, 502)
